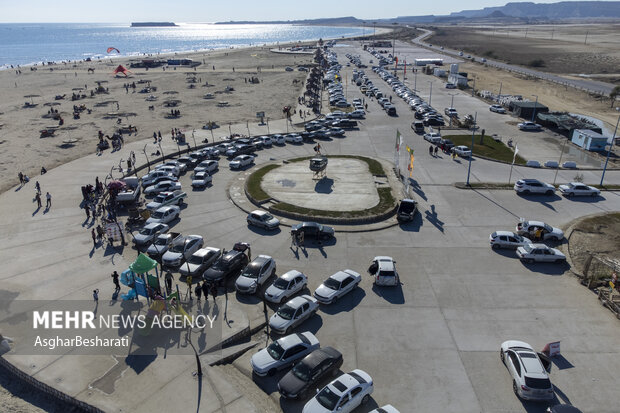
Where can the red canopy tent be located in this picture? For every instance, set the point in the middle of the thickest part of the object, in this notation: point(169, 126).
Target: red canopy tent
point(121, 69)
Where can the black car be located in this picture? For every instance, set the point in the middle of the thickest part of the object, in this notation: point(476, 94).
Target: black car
point(348, 123)
point(228, 265)
point(242, 149)
point(433, 121)
point(446, 144)
point(321, 362)
point(306, 136)
point(188, 160)
point(406, 210)
point(313, 230)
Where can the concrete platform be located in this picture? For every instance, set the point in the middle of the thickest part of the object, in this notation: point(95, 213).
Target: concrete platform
point(347, 186)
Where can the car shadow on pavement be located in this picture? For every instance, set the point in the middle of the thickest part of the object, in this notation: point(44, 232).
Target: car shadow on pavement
point(414, 225)
point(506, 252)
point(537, 407)
point(587, 199)
point(262, 231)
point(547, 268)
point(346, 303)
point(393, 295)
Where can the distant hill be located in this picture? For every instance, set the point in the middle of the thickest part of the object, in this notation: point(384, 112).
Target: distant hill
point(509, 13)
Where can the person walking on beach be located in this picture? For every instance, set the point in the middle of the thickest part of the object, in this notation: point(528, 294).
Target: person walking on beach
point(37, 198)
point(21, 178)
point(436, 149)
point(213, 290)
point(117, 285)
point(37, 186)
point(96, 295)
point(92, 234)
point(48, 203)
point(430, 150)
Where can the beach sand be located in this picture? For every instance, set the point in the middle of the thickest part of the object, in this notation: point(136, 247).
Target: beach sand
point(22, 148)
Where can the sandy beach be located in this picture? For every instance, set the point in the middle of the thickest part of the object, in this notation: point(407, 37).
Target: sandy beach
point(23, 148)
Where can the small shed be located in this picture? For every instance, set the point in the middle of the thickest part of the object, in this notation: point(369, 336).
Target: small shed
point(589, 140)
point(527, 110)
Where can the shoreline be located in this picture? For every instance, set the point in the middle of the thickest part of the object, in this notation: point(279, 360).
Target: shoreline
point(7, 66)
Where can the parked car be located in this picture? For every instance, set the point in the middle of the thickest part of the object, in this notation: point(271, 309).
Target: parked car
point(226, 266)
point(446, 144)
point(255, 274)
point(278, 140)
point(551, 164)
point(529, 370)
point(171, 169)
point(383, 270)
point(313, 230)
point(283, 352)
point(293, 313)
point(462, 151)
point(432, 137)
point(149, 232)
point(164, 214)
point(210, 165)
point(241, 161)
point(155, 177)
point(162, 186)
point(388, 408)
point(182, 250)
point(532, 163)
point(406, 210)
point(507, 239)
point(433, 121)
point(342, 395)
point(569, 165)
point(529, 126)
point(533, 186)
point(293, 138)
point(199, 261)
point(451, 112)
point(162, 243)
point(337, 285)
point(497, 109)
point(450, 86)
point(578, 189)
point(417, 126)
point(262, 219)
point(298, 382)
point(529, 228)
point(540, 253)
point(201, 179)
point(166, 198)
point(285, 286)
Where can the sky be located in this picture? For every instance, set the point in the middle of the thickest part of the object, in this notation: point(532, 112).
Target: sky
point(199, 11)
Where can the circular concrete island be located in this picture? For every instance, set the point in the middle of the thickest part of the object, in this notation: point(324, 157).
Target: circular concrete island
point(350, 190)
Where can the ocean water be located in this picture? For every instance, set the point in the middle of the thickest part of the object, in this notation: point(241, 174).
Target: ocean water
point(30, 43)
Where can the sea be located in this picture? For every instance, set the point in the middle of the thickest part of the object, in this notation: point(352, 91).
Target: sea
point(34, 43)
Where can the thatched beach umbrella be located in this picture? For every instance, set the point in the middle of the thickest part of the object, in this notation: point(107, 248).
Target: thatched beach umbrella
point(171, 92)
point(32, 96)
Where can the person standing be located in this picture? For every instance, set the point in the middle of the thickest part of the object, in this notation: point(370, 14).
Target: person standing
point(21, 178)
point(198, 292)
point(48, 203)
point(430, 150)
point(169, 282)
point(37, 187)
point(213, 290)
point(300, 239)
point(37, 198)
point(87, 209)
point(436, 149)
point(294, 239)
point(96, 295)
point(117, 285)
point(205, 290)
point(188, 280)
point(92, 234)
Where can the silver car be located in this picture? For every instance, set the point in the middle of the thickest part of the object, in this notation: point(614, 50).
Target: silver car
point(531, 253)
point(283, 352)
point(337, 286)
point(255, 274)
point(293, 313)
point(529, 370)
point(507, 239)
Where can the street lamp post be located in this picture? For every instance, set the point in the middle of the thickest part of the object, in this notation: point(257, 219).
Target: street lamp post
point(194, 138)
point(451, 106)
point(535, 107)
point(430, 96)
point(472, 147)
point(613, 139)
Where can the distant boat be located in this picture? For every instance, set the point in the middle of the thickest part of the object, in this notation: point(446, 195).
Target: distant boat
point(153, 24)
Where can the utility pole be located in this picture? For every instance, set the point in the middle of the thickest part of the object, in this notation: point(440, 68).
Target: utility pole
point(472, 147)
point(500, 89)
point(613, 139)
point(535, 108)
point(430, 96)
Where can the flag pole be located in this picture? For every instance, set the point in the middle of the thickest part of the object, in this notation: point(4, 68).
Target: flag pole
point(513, 161)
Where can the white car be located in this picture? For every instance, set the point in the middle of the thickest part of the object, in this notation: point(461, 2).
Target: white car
point(383, 269)
point(286, 286)
point(163, 186)
point(149, 179)
point(529, 126)
point(201, 179)
point(450, 86)
point(164, 214)
point(166, 198)
point(432, 137)
point(149, 232)
point(532, 163)
point(540, 253)
point(172, 169)
point(200, 261)
point(293, 313)
point(528, 228)
point(578, 189)
point(209, 165)
point(342, 395)
point(533, 186)
point(357, 114)
point(462, 151)
point(182, 167)
point(180, 251)
point(266, 140)
point(529, 370)
point(263, 219)
point(278, 139)
point(337, 286)
point(283, 353)
point(569, 165)
point(507, 239)
point(241, 161)
point(293, 138)
point(497, 109)
point(255, 274)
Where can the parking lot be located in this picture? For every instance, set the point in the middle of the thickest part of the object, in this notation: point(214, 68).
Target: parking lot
point(431, 344)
